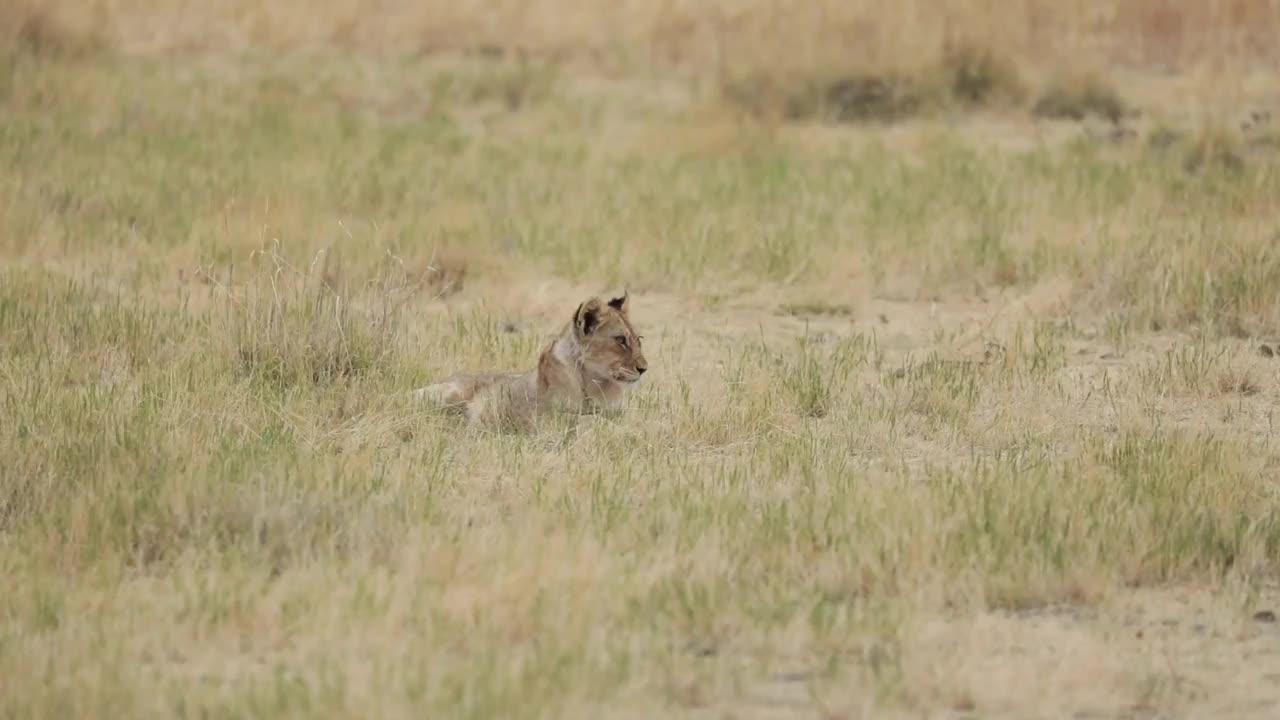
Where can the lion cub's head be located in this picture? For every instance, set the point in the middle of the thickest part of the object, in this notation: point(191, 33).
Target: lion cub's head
point(610, 346)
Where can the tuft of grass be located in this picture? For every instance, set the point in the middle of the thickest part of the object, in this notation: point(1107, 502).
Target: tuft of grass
point(1186, 369)
point(287, 326)
point(1238, 382)
point(815, 381)
point(512, 84)
point(1214, 149)
point(1037, 354)
point(1179, 492)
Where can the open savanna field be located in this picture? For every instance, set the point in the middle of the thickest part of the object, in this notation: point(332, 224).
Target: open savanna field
point(962, 322)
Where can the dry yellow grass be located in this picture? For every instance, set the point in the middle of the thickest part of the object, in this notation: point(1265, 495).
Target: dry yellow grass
point(960, 412)
point(719, 31)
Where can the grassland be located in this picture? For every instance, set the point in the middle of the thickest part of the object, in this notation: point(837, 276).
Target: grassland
point(962, 322)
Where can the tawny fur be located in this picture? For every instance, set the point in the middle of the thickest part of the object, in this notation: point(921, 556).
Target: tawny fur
point(588, 366)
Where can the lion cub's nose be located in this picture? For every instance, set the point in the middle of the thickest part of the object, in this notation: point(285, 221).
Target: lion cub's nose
point(640, 369)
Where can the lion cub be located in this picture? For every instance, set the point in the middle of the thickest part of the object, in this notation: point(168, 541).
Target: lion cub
point(596, 356)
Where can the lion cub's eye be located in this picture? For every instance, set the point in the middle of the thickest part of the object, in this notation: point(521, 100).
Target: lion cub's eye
point(622, 340)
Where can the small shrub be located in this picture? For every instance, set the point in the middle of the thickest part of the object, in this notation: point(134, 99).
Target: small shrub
point(835, 97)
point(815, 308)
point(29, 27)
point(1163, 137)
point(977, 76)
point(1077, 98)
point(859, 97)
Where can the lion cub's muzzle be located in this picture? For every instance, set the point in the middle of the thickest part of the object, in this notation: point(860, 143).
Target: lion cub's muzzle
point(630, 375)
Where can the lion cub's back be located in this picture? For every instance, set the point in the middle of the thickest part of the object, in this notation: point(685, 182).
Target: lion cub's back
point(503, 398)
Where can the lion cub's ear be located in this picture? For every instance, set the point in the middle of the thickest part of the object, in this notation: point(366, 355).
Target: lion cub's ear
point(587, 317)
point(620, 303)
